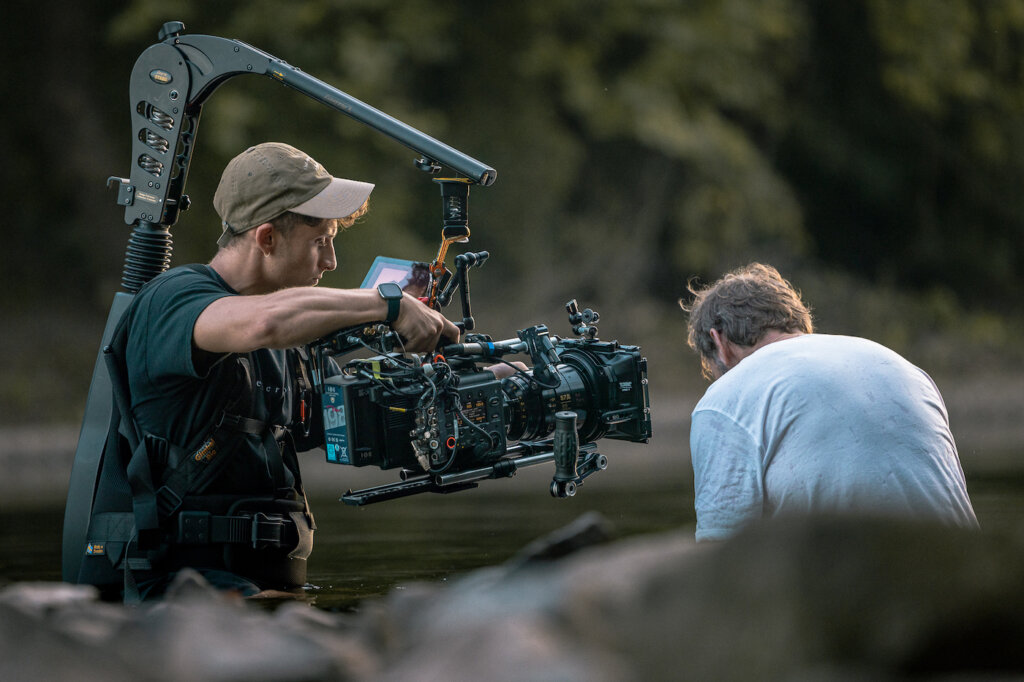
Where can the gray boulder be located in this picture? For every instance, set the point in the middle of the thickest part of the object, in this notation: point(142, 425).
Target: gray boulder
point(806, 599)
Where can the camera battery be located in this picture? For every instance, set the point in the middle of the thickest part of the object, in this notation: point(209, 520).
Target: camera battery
point(336, 428)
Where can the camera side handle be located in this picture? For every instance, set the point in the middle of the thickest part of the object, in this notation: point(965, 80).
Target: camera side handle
point(542, 352)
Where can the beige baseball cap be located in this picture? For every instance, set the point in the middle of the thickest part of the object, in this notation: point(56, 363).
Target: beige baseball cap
point(264, 181)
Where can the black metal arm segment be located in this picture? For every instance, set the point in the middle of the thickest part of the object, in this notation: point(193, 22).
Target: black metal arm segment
point(169, 84)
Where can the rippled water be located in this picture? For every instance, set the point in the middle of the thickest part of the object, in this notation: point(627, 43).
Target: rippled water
point(365, 552)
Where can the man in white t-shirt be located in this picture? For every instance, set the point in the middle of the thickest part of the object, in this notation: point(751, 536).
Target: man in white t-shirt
point(798, 423)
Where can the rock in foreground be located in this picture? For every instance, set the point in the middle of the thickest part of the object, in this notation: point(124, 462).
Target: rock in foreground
point(822, 599)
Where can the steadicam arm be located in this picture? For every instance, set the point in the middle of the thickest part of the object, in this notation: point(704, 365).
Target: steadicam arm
point(169, 84)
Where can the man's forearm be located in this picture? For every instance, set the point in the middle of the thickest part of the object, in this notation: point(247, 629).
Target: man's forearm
point(283, 319)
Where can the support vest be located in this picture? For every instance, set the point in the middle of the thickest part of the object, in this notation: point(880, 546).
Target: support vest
point(153, 512)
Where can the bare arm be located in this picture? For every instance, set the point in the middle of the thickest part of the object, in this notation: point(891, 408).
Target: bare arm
point(292, 317)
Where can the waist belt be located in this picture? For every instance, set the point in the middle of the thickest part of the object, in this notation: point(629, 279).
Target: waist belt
point(258, 530)
point(235, 422)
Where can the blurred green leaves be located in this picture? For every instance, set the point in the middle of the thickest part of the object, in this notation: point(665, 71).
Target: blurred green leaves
point(873, 147)
point(653, 139)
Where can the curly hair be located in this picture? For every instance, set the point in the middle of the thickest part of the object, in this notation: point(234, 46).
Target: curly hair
point(743, 306)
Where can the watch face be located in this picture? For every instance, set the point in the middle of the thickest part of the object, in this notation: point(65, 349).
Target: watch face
point(389, 290)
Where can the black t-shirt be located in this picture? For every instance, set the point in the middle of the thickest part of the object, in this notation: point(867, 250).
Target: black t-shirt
point(178, 390)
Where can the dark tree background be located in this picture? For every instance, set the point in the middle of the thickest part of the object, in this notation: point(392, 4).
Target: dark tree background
point(872, 150)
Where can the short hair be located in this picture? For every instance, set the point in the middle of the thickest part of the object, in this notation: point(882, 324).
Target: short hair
point(287, 221)
point(743, 305)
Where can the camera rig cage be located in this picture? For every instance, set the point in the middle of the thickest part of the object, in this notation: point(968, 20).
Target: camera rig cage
point(169, 84)
point(448, 423)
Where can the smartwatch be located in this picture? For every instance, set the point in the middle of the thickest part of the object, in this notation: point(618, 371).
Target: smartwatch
point(392, 293)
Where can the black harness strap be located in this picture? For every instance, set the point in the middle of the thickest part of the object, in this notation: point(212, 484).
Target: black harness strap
point(138, 470)
point(272, 437)
point(259, 530)
point(197, 469)
point(303, 380)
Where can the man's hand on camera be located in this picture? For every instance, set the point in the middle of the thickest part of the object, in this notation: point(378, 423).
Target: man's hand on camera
point(423, 327)
point(502, 370)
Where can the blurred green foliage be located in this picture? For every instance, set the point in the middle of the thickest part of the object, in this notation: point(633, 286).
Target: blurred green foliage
point(873, 151)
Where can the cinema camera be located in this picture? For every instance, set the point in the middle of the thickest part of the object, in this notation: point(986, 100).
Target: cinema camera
point(449, 423)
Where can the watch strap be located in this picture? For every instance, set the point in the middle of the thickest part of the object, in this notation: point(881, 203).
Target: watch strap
point(394, 300)
point(394, 307)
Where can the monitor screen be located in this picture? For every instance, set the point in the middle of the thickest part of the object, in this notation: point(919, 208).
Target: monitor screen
point(412, 276)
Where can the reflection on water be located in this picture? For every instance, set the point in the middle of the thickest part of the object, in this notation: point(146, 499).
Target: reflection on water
point(364, 552)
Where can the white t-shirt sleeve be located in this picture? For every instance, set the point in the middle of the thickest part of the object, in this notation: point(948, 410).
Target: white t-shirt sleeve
point(728, 475)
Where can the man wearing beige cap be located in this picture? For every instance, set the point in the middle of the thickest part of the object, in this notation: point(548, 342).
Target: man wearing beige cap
point(221, 392)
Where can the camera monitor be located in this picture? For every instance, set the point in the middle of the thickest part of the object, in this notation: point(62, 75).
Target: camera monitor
point(412, 276)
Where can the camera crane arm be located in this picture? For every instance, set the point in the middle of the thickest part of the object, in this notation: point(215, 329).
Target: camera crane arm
point(173, 79)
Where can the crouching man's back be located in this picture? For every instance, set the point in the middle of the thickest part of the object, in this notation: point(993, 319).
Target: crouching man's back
point(798, 423)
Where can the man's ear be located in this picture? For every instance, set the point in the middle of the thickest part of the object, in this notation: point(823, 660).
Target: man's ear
point(723, 348)
point(266, 238)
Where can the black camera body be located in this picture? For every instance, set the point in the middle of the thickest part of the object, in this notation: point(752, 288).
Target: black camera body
point(446, 421)
point(385, 422)
point(366, 424)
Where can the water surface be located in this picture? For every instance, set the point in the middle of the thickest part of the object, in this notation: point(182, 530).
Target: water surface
point(362, 552)
point(365, 552)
